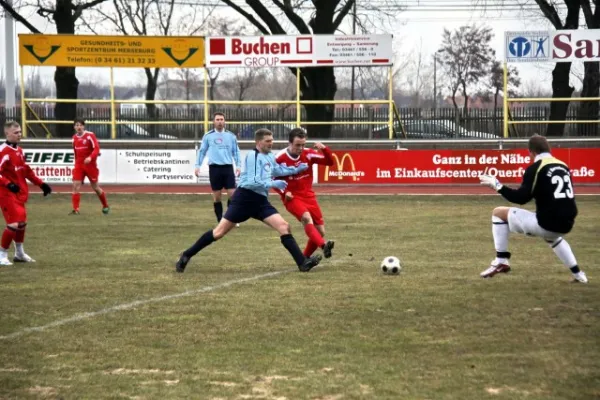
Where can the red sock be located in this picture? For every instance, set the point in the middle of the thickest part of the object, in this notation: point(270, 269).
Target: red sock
point(7, 237)
point(314, 235)
point(20, 236)
point(102, 197)
point(75, 198)
point(310, 248)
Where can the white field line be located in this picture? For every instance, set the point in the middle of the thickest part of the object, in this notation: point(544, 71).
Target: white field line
point(137, 303)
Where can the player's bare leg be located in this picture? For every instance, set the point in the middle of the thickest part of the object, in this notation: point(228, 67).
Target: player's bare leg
point(76, 197)
point(101, 196)
point(563, 251)
point(500, 231)
point(282, 227)
point(315, 237)
point(206, 239)
point(229, 194)
point(7, 238)
point(217, 204)
point(20, 255)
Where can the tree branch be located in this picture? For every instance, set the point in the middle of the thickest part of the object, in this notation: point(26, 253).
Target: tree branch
point(18, 16)
point(298, 22)
point(248, 16)
point(587, 13)
point(550, 13)
point(266, 16)
point(342, 14)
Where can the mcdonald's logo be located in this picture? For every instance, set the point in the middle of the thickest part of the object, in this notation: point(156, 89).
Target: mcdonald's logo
point(340, 172)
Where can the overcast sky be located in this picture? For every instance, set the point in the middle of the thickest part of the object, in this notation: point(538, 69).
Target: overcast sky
point(422, 25)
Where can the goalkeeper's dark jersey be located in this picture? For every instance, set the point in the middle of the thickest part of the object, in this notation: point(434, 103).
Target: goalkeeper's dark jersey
point(548, 181)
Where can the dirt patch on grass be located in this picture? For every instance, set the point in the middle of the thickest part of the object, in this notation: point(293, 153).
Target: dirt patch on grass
point(125, 371)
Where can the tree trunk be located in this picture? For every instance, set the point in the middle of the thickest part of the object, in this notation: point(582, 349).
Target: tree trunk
point(152, 85)
point(318, 84)
point(560, 88)
point(588, 110)
point(65, 79)
point(560, 77)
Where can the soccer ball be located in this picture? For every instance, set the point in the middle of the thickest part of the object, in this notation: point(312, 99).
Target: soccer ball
point(391, 265)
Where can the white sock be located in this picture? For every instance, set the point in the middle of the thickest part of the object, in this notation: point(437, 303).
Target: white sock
point(3, 253)
point(19, 248)
point(500, 231)
point(562, 249)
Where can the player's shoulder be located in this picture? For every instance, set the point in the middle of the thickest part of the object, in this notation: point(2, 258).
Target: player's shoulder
point(89, 133)
point(281, 154)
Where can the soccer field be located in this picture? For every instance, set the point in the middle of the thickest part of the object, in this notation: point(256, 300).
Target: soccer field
point(111, 318)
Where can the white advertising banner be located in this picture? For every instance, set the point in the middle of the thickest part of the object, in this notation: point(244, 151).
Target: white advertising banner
point(299, 51)
point(156, 166)
point(552, 46)
point(56, 165)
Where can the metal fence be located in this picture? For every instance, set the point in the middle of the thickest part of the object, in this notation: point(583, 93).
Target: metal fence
point(416, 122)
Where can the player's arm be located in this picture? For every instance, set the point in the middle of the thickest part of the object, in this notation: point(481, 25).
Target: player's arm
point(95, 145)
point(284, 170)
point(254, 179)
point(203, 151)
point(236, 153)
point(33, 178)
point(324, 158)
point(524, 193)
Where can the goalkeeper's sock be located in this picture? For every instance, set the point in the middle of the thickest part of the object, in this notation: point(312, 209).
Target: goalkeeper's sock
point(19, 239)
point(75, 199)
point(500, 232)
point(310, 248)
point(291, 246)
point(102, 197)
point(7, 237)
point(314, 235)
point(562, 249)
point(201, 243)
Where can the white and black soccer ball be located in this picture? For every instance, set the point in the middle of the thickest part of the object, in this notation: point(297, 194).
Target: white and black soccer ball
point(391, 265)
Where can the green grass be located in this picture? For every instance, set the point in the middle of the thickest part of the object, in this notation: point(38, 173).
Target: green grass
point(342, 331)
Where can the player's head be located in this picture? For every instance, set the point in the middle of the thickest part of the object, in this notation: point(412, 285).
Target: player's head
point(219, 120)
point(12, 131)
point(264, 140)
point(79, 125)
point(538, 144)
point(297, 139)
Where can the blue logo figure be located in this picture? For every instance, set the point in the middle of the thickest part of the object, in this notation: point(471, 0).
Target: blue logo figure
point(540, 49)
point(519, 47)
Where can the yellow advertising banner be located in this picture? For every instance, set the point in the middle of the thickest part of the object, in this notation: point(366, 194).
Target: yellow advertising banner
point(111, 51)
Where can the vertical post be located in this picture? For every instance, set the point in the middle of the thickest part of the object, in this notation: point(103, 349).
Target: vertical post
point(9, 30)
point(113, 110)
point(434, 84)
point(505, 100)
point(391, 104)
point(23, 104)
point(205, 99)
point(353, 78)
point(298, 107)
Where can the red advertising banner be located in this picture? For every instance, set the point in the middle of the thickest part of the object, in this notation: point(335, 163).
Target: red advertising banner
point(449, 166)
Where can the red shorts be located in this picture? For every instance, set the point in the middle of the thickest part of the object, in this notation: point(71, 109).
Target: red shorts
point(81, 171)
point(298, 206)
point(13, 210)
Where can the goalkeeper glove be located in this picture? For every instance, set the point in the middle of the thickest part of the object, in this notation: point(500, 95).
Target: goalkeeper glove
point(490, 181)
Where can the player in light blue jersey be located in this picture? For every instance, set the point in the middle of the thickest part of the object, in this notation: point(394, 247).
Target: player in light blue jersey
point(250, 200)
point(223, 151)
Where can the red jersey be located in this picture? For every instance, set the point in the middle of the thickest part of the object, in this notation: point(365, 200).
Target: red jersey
point(14, 169)
point(301, 184)
point(85, 146)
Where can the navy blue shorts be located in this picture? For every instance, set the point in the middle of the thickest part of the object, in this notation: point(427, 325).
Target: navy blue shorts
point(221, 176)
point(246, 204)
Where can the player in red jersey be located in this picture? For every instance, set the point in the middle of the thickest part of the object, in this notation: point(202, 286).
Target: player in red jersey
point(87, 150)
point(14, 192)
point(298, 197)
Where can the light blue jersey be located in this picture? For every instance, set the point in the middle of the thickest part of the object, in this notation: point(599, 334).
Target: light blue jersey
point(259, 170)
point(222, 149)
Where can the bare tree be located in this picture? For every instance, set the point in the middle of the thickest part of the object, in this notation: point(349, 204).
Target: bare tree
point(465, 56)
point(496, 81)
point(418, 76)
point(65, 14)
point(325, 18)
point(147, 18)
